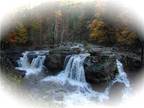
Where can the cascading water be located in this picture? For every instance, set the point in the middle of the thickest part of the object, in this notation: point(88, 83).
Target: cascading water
point(73, 77)
point(73, 72)
point(36, 64)
point(121, 77)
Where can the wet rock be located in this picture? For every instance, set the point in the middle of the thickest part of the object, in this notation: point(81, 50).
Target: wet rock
point(131, 63)
point(31, 57)
point(100, 68)
point(7, 65)
point(95, 51)
point(65, 51)
point(54, 62)
point(101, 65)
point(22, 72)
point(56, 58)
point(12, 56)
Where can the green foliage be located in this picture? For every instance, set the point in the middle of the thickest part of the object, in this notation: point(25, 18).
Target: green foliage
point(35, 25)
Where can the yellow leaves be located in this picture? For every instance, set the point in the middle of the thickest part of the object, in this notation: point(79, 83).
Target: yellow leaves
point(21, 34)
point(97, 30)
point(125, 36)
point(102, 33)
point(97, 24)
point(58, 13)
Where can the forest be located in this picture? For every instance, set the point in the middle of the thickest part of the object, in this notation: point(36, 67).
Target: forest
point(56, 23)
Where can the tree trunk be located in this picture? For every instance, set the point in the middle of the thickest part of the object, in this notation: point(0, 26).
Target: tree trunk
point(142, 53)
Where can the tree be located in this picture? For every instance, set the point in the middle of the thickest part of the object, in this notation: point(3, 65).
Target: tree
point(58, 25)
point(97, 31)
point(21, 34)
point(126, 37)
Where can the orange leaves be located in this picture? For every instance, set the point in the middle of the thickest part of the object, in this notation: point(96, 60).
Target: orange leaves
point(97, 31)
point(97, 24)
point(12, 37)
point(18, 36)
point(103, 33)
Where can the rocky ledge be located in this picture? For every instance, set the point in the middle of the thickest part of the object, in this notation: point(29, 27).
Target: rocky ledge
point(100, 66)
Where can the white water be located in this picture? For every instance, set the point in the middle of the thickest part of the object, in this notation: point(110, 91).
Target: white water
point(73, 72)
point(121, 77)
point(80, 46)
point(36, 64)
point(74, 76)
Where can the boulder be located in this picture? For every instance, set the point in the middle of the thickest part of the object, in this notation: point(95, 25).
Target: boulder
point(101, 65)
point(7, 65)
point(13, 56)
point(54, 62)
point(100, 68)
point(131, 62)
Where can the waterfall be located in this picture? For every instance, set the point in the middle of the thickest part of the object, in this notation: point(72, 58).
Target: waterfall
point(23, 61)
point(121, 77)
point(73, 76)
point(36, 64)
point(73, 72)
point(74, 69)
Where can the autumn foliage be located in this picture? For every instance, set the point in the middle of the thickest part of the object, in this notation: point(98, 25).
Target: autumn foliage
point(70, 23)
point(97, 31)
point(122, 35)
point(126, 37)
